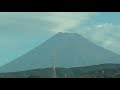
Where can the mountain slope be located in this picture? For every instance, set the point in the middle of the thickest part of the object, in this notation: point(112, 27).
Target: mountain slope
point(72, 50)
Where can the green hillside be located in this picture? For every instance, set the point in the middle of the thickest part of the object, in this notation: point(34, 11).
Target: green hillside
point(96, 71)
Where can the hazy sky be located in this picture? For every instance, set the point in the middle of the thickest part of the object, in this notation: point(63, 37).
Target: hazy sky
point(22, 31)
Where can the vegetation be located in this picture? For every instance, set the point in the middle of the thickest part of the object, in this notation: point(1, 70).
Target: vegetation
point(96, 71)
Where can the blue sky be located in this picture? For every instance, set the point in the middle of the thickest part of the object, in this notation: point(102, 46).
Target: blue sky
point(22, 31)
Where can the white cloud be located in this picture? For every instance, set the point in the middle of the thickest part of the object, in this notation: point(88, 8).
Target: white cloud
point(17, 24)
point(65, 21)
point(5, 41)
point(106, 35)
point(60, 21)
point(107, 43)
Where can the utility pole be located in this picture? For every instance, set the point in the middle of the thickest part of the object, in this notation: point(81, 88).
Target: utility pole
point(53, 66)
point(103, 71)
point(65, 75)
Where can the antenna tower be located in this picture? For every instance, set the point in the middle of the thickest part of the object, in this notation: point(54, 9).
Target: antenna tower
point(53, 66)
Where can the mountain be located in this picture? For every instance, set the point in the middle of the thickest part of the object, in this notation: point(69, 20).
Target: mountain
point(71, 49)
point(98, 71)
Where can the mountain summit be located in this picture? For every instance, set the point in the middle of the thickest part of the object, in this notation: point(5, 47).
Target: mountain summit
point(71, 50)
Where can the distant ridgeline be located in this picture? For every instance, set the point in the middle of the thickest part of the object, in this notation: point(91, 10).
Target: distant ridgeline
point(96, 71)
